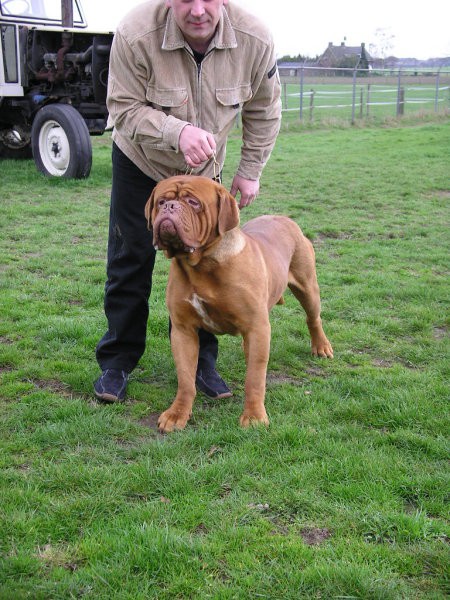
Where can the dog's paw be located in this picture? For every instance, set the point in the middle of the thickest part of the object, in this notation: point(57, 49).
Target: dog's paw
point(322, 348)
point(249, 419)
point(172, 419)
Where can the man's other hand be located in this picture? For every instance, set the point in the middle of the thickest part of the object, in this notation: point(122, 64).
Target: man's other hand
point(247, 188)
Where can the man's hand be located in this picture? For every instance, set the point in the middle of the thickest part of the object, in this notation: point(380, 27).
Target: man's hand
point(197, 145)
point(248, 189)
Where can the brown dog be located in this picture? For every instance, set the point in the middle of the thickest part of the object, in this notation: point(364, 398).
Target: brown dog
point(225, 279)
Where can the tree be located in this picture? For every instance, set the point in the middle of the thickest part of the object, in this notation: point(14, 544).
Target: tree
point(363, 61)
point(383, 43)
point(300, 58)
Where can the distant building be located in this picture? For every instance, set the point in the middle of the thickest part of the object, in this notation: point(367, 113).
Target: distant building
point(349, 57)
point(334, 57)
point(345, 57)
point(292, 69)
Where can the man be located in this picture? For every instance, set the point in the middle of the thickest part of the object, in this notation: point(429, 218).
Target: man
point(179, 73)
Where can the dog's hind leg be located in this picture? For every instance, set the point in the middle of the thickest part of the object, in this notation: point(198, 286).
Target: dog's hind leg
point(303, 284)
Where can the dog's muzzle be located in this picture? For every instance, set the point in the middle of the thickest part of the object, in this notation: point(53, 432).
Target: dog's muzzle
point(168, 229)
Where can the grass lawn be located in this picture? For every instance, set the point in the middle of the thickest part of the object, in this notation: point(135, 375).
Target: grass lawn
point(345, 495)
point(375, 99)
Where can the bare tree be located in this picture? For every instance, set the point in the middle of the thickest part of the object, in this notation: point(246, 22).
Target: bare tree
point(383, 43)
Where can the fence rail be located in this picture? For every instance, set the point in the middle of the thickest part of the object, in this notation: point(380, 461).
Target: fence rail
point(318, 94)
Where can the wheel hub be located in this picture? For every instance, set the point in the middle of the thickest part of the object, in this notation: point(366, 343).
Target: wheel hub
point(55, 148)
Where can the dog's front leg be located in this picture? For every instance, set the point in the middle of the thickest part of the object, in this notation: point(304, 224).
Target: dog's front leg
point(185, 347)
point(257, 350)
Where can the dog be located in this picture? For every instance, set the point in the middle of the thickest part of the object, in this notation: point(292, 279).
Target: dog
point(226, 279)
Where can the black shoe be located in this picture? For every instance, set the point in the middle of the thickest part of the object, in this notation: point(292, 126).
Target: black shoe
point(111, 385)
point(211, 384)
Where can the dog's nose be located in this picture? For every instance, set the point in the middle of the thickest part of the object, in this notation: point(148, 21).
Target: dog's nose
point(171, 206)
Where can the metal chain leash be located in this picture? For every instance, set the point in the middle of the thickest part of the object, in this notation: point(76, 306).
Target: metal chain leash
point(216, 167)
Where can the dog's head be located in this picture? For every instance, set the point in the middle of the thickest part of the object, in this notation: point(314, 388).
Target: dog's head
point(188, 213)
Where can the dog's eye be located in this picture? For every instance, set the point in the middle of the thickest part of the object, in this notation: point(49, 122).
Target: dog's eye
point(194, 203)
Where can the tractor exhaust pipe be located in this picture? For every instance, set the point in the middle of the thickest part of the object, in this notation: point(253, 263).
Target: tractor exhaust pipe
point(67, 13)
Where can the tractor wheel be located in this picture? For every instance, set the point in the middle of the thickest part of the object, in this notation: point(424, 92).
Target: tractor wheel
point(61, 143)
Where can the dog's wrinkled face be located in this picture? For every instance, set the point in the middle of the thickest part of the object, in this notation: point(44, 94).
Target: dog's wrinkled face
point(188, 213)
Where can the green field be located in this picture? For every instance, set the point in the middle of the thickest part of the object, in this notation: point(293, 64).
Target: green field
point(370, 100)
point(344, 495)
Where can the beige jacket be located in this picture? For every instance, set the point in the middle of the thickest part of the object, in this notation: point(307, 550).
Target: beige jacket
point(155, 89)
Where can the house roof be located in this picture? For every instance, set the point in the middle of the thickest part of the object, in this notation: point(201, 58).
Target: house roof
point(343, 51)
point(335, 56)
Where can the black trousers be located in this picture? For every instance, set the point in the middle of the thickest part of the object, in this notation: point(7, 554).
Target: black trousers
point(130, 262)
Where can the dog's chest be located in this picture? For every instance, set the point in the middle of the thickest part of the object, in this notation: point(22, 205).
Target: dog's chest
point(213, 317)
point(200, 305)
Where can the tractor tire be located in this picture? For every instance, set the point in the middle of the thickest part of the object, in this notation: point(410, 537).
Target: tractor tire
point(61, 143)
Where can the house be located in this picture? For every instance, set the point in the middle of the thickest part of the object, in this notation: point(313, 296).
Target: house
point(345, 57)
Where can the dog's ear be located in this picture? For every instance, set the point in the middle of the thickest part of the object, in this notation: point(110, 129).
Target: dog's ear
point(149, 210)
point(228, 214)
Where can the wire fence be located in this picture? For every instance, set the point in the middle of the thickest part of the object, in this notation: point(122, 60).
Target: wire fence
point(320, 94)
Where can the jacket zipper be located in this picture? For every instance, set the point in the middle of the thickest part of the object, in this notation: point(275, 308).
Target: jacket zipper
point(199, 86)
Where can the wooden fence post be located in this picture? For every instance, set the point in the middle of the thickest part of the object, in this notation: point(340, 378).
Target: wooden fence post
point(302, 73)
point(399, 91)
point(311, 105)
point(436, 97)
point(353, 96)
point(401, 102)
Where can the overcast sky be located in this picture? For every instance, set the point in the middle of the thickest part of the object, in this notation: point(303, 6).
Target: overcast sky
point(419, 30)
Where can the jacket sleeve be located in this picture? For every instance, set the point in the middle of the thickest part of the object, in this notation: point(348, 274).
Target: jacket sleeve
point(129, 111)
point(261, 117)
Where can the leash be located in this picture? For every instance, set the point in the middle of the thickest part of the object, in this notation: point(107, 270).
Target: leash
point(216, 169)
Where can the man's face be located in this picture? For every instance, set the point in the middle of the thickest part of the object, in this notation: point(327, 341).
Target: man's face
point(197, 19)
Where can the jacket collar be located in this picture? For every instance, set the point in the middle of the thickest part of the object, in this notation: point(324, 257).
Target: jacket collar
point(223, 38)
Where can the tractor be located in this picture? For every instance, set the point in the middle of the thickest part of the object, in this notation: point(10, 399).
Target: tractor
point(53, 82)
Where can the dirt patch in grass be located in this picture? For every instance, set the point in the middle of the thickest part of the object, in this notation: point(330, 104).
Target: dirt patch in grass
point(382, 363)
point(440, 332)
point(315, 371)
point(442, 193)
point(150, 422)
point(201, 529)
point(322, 236)
point(280, 530)
point(54, 556)
point(75, 302)
point(282, 378)
point(313, 536)
point(54, 386)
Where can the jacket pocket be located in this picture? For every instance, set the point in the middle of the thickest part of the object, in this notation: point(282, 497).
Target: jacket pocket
point(171, 101)
point(229, 101)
